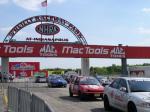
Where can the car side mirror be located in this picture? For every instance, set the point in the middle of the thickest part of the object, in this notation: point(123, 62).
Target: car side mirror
point(124, 89)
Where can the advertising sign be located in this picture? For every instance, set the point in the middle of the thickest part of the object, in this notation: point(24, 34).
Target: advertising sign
point(23, 69)
point(72, 50)
point(47, 29)
point(60, 50)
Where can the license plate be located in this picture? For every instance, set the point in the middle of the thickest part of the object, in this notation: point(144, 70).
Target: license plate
point(42, 79)
point(96, 94)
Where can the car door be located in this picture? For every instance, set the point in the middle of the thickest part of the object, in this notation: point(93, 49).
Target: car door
point(121, 94)
point(112, 90)
point(76, 86)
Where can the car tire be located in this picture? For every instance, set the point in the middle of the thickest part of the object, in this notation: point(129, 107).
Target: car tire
point(49, 85)
point(107, 106)
point(70, 93)
point(132, 107)
point(81, 96)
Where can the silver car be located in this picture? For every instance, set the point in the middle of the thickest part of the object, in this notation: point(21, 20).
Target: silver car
point(129, 94)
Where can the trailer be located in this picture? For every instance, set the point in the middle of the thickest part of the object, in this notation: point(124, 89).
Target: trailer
point(139, 71)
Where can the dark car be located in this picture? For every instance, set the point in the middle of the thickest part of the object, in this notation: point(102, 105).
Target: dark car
point(40, 79)
point(4, 77)
point(86, 86)
point(56, 81)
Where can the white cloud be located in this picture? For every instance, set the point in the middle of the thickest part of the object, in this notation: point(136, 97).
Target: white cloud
point(142, 30)
point(34, 5)
point(5, 30)
point(3, 1)
point(146, 10)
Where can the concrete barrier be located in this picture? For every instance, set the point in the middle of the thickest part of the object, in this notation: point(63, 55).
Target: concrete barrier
point(23, 101)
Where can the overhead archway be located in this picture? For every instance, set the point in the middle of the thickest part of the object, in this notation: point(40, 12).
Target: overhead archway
point(45, 21)
point(46, 18)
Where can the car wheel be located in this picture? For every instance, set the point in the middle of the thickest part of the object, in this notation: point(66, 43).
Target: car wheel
point(107, 106)
point(49, 85)
point(70, 93)
point(81, 96)
point(132, 107)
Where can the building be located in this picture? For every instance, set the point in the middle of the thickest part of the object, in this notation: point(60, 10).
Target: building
point(139, 71)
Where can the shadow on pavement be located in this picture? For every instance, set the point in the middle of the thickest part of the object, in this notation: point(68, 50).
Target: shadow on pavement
point(76, 99)
point(98, 110)
point(68, 98)
point(102, 110)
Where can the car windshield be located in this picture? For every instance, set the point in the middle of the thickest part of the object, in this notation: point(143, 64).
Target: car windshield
point(139, 86)
point(89, 81)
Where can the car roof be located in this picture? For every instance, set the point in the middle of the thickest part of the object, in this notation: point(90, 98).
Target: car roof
point(135, 78)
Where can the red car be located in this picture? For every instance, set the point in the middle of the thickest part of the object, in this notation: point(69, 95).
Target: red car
point(85, 86)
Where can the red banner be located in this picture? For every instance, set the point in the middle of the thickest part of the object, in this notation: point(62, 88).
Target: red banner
point(137, 52)
point(71, 50)
point(60, 50)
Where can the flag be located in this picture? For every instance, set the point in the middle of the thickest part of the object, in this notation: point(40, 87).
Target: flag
point(44, 3)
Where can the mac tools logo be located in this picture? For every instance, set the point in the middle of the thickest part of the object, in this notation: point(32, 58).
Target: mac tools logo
point(48, 50)
point(117, 52)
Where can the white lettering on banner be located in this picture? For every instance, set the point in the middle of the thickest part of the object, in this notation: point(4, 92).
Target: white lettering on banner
point(71, 50)
point(24, 49)
point(48, 50)
point(96, 51)
point(88, 50)
point(22, 66)
point(117, 52)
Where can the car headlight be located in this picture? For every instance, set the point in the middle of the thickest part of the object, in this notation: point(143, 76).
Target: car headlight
point(145, 105)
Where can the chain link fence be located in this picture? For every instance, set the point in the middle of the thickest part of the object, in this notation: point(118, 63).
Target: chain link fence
point(20, 100)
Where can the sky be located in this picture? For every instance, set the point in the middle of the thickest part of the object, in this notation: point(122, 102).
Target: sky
point(102, 22)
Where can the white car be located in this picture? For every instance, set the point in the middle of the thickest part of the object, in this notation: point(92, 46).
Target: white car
point(129, 94)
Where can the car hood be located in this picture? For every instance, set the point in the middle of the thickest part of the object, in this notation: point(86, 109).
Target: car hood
point(141, 95)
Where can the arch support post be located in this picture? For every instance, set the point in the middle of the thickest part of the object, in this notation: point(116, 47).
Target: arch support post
point(5, 66)
point(85, 68)
point(124, 67)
